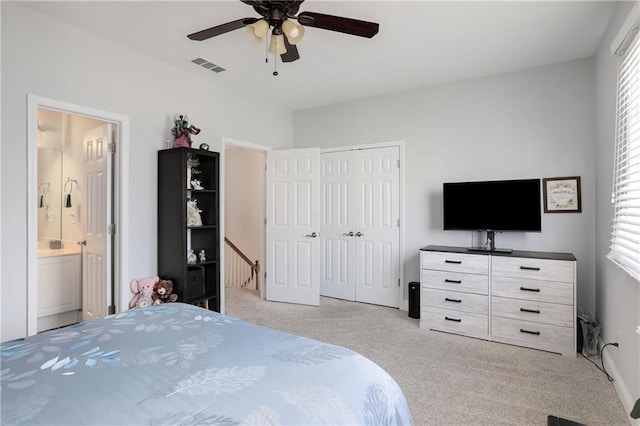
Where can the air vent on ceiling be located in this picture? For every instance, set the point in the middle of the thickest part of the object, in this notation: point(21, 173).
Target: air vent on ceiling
point(208, 65)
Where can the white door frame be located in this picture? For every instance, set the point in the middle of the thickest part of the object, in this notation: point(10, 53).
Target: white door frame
point(120, 200)
point(404, 301)
point(263, 268)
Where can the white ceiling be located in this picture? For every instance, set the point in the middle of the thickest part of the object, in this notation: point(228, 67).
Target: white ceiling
point(420, 42)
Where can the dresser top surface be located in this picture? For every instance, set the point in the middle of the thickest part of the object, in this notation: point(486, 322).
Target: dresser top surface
point(514, 253)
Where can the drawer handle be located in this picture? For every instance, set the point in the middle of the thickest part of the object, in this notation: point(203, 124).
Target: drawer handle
point(533, 311)
point(457, 262)
point(535, 290)
point(447, 280)
point(522, 330)
point(453, 319)
point(530, 268)
point(453, 300)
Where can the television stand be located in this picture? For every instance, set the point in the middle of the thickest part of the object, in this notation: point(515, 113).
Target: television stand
point(490, 246)
point(488, 250)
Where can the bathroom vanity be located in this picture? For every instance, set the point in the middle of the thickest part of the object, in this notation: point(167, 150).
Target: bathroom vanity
point(59, 286)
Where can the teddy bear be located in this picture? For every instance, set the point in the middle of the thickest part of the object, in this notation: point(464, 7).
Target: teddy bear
point(163, 292)
point(143, 290)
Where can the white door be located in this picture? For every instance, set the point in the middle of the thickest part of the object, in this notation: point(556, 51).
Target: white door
point(360, 226)
point(293, 226)
point(96, 216)
point(377, 227)
point(337, 242)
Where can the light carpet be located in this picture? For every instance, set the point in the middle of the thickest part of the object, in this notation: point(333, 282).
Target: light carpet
point(448, 379)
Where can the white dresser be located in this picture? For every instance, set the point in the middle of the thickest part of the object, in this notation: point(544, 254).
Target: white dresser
point(523, 298)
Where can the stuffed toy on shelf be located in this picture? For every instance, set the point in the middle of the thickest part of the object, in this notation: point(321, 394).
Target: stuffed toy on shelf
point(143, 289)
point(163, 292)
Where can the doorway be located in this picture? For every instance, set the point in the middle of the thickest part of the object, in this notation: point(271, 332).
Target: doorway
point(76, 198)
point(243, 246)
point(390, 289)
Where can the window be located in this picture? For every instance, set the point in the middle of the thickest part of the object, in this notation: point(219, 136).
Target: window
point(625, 235)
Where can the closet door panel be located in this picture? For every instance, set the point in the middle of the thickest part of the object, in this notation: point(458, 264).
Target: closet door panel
point(377, 212)
point(336, 223)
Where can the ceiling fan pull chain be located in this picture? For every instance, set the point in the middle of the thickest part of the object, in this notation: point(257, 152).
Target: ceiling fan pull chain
point(275, 64)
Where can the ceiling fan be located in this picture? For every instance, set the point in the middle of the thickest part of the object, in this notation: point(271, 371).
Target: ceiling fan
point(278, 15)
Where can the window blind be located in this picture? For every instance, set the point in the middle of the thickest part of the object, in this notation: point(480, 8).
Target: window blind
point(625, 235)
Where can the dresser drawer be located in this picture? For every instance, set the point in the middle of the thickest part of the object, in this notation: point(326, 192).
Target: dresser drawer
point(541, 336)
point(526, 310)
point(455, 262)
point(454, 321)
point(456, 281)
point(529, 268)
point(541, 291)
point(465, 302)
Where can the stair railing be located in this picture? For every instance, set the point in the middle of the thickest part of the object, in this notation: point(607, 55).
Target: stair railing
point(240, 271)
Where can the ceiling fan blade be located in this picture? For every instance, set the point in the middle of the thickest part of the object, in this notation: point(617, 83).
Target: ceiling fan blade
point(221, 29)
point(291, 54)
point(339, 24)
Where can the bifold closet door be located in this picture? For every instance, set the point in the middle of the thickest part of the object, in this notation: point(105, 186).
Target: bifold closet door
point(360, 234)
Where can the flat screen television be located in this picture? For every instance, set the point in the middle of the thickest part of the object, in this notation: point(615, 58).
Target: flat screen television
point(501, 205)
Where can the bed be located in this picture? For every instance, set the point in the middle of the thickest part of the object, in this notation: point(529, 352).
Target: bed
point(178, 364)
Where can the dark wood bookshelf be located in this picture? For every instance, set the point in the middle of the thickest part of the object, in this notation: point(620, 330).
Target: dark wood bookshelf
point(197, 283)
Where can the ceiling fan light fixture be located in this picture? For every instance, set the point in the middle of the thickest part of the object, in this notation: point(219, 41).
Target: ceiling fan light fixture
point(294, 32)
point(258, 30)
point(276, 45)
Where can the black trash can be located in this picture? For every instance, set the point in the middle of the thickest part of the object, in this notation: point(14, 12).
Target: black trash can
point(414, 299)
point(580, 338)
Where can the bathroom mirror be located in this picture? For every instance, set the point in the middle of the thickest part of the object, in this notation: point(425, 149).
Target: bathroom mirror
point(49, 194)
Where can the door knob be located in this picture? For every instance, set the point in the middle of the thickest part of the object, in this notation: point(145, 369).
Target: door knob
point(350, 234)
point(359, 234)
point(82, 243)
point(312, 235)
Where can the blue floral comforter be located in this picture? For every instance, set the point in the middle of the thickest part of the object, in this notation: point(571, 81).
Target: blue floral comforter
point(177, 364)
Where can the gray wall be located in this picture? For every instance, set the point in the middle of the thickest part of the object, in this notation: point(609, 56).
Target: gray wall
point(530, 124)
point(542, 122)
point(617, 294)
point(43, 57)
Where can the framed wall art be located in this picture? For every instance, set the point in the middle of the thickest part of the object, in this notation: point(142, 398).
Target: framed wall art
point(562, 194)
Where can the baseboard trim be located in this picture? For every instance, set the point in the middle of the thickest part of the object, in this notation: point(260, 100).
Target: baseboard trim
point(623, 393)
